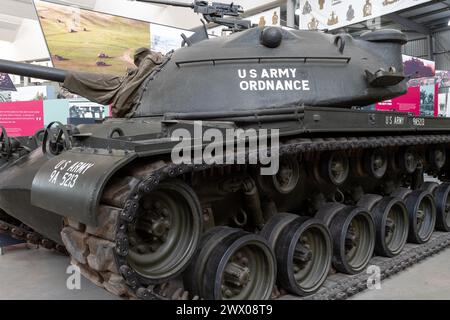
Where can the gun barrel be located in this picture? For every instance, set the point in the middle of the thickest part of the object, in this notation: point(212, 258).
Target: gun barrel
point(169, 3)
point(33, 71)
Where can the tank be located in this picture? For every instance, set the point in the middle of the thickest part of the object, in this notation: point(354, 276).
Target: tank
point(172, 202)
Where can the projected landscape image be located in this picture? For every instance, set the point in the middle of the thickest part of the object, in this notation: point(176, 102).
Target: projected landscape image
point(83, 40)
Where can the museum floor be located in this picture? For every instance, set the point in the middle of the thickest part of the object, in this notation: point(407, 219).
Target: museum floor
point(40, 274)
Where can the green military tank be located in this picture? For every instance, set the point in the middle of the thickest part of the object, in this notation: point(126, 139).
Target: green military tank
point(347, 190)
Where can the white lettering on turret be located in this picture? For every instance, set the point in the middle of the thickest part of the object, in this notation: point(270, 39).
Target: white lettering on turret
point(253, 74)
point(272, 79)
point(242, 73)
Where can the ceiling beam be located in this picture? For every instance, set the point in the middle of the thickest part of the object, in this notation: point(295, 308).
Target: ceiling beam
point(420, 6)
point(430, 13)
point(433, 23)
point(408, 23)
point(444, 28)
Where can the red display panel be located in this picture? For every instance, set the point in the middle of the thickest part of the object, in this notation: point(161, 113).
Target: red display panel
point(22, 118)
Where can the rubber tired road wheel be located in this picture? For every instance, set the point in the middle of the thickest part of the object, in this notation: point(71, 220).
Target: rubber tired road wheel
point(166, 233)
point(193, 276)
point(392, 226)
point(241, 266)
point(353, 234)
point(422, 216)
point(442, 201)
point(304, 252)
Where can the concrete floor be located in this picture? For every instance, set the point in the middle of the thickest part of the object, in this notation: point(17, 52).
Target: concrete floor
point(428, 280)
point(41, 274)
point(30, 274)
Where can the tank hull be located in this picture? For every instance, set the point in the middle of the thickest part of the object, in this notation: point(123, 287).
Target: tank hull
point(16, 181)
point(97, 215)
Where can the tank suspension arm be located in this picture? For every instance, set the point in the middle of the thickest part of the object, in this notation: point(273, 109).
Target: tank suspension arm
point(251, 195)
point(253, 202)
point(33, 71)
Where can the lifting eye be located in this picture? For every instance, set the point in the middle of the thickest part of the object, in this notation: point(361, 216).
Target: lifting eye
point(271, 37)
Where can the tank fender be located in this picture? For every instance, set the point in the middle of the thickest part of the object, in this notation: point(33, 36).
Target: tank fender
point(72, 183)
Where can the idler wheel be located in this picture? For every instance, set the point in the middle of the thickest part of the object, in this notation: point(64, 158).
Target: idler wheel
point(392, 225)
point(407, 160)
point(422, 216)
point(376, 163)
point(237, 266)
point(303, 250)
point(353, 234)
point(165, 235)
point(335, 167)
point(437, 157)
point(442, 200)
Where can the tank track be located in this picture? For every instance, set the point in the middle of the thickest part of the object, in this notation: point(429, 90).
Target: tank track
point(340, 286)
point(101, 252)
point(22, 232)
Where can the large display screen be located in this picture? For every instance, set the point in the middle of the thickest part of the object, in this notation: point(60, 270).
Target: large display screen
point(90, 41)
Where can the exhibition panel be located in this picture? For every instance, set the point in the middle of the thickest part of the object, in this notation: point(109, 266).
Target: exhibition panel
point(291, 151)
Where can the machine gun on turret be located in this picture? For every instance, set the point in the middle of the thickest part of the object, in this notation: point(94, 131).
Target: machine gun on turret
point(214, 12)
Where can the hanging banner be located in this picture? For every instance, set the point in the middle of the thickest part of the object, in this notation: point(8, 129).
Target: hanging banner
point(22, 118)
point(334, 14)
point(6, 83)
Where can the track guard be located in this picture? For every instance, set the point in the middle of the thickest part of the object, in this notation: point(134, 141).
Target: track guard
point(72, 183)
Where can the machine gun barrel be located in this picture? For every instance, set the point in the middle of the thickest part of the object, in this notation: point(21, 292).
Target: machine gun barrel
point(33, 71)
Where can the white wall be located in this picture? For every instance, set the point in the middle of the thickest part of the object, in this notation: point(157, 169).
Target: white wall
point(28, 45)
